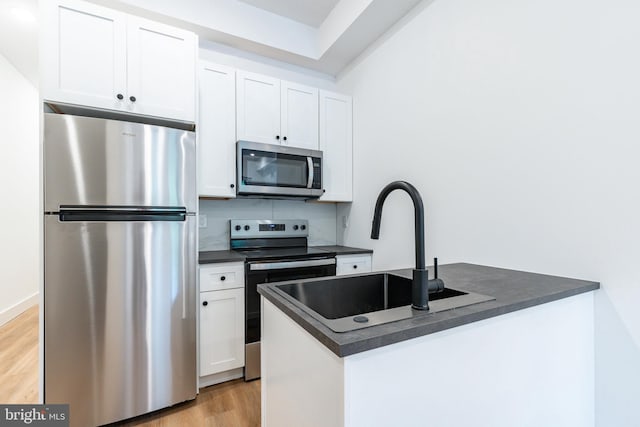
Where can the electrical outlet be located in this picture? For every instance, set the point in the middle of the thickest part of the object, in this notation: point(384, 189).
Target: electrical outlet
point(202, 221)
point(345, 221)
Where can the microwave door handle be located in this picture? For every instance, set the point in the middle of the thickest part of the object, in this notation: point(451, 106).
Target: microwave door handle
point(310, 165)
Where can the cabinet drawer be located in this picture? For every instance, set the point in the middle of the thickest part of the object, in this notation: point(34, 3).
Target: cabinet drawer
point(221, 276)
point(353, 264)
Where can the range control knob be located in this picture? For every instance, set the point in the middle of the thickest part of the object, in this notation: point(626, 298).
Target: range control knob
point(238, 228)
point(303, 227)
point(247, 228)
point(295, 227)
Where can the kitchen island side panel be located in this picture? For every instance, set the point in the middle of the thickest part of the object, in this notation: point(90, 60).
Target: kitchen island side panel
point(533, 367)
point(302, 380)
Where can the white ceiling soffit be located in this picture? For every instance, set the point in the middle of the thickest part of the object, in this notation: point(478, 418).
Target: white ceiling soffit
point(19, 36)
point(345, 32)
point(309, 12)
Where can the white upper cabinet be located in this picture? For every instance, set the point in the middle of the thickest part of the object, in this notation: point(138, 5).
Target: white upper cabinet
point(161, 62)
point(270, 111)
point(216, 131)
point(258, 108)
point(299, 115)
point(276, 112)
point(336, 143)
point(97, 57)
point(84, 56)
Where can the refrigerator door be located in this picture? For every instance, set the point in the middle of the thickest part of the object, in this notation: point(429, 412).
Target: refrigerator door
point(90, 161)
point(120, 313)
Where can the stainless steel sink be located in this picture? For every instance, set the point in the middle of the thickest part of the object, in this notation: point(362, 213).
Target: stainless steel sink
point(354, 302)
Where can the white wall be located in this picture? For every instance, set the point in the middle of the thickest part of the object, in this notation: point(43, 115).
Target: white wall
point(519, 122)
point(19, 178)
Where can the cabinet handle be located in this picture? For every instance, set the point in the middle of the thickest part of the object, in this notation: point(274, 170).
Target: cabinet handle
point(285, 138)
point(277, 136)
point(223, 278)
point(205, 303)
point(132, 98)
point(233, 185)
point(120, 96)
point(355, 266)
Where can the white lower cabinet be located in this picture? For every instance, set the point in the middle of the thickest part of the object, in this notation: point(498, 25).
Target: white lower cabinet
point(221, 331)
point(353, 264)
point(221, 336)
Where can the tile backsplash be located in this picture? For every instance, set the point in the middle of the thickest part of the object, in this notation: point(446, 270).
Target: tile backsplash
point(321, 216)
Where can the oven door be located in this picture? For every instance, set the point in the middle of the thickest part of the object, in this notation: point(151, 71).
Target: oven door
point(273, 170)
point(277, 271)
point(268, 272)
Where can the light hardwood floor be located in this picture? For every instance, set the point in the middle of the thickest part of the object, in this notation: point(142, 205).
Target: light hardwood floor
point(232, 404)
point(19, 359)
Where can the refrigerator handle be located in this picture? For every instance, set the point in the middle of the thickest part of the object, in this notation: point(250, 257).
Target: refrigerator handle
point(121, 214)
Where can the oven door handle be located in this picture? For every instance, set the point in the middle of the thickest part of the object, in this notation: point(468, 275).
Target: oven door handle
point(290, 264)
point(310, 166)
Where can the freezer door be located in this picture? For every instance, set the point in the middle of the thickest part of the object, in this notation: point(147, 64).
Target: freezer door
point(120, 316)
point(90, 161)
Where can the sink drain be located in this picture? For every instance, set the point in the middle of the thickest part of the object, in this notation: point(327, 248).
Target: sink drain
point(361, 319)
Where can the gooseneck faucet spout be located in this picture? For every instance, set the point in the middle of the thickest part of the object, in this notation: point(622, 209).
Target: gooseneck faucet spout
point(420, 288)
point(418, 216)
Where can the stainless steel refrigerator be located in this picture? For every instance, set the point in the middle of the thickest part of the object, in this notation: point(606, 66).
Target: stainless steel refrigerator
point(119, 267)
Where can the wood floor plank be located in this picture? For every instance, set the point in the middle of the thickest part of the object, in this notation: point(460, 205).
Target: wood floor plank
point(19, 359)
point(231, 404)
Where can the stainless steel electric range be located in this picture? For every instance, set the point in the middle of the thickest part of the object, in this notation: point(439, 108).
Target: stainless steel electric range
point(275, 251)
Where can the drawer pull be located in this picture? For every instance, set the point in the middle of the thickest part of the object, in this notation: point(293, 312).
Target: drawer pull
point(223, 278)
point(355, 266)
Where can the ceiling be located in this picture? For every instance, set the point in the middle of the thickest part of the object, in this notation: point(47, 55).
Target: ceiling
point(309, 12)
point(320, 35)
point(280, 29)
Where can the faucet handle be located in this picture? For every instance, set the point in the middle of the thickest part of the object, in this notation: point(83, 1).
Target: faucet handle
point(435, 284)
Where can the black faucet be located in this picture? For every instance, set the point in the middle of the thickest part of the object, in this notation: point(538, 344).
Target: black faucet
point(421, 282)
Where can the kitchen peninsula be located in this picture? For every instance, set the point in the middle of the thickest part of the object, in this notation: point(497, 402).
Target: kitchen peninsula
point(485, 364)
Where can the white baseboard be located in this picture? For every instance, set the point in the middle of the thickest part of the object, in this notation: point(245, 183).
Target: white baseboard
point(210, 380)
point(19, 308)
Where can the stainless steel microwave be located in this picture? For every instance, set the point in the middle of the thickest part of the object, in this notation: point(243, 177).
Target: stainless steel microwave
point(278, 171)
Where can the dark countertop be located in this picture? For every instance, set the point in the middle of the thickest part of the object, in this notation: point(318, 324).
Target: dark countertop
point(212, 257)
point(513, 290)
point(344, 250)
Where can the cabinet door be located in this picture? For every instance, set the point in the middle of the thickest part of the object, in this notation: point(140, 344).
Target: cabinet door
point(299, 115)
point(221, 331)
point(83, 54)
point(217, 131)
point(336, 143)
point(161, 70)
point(258, 108)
